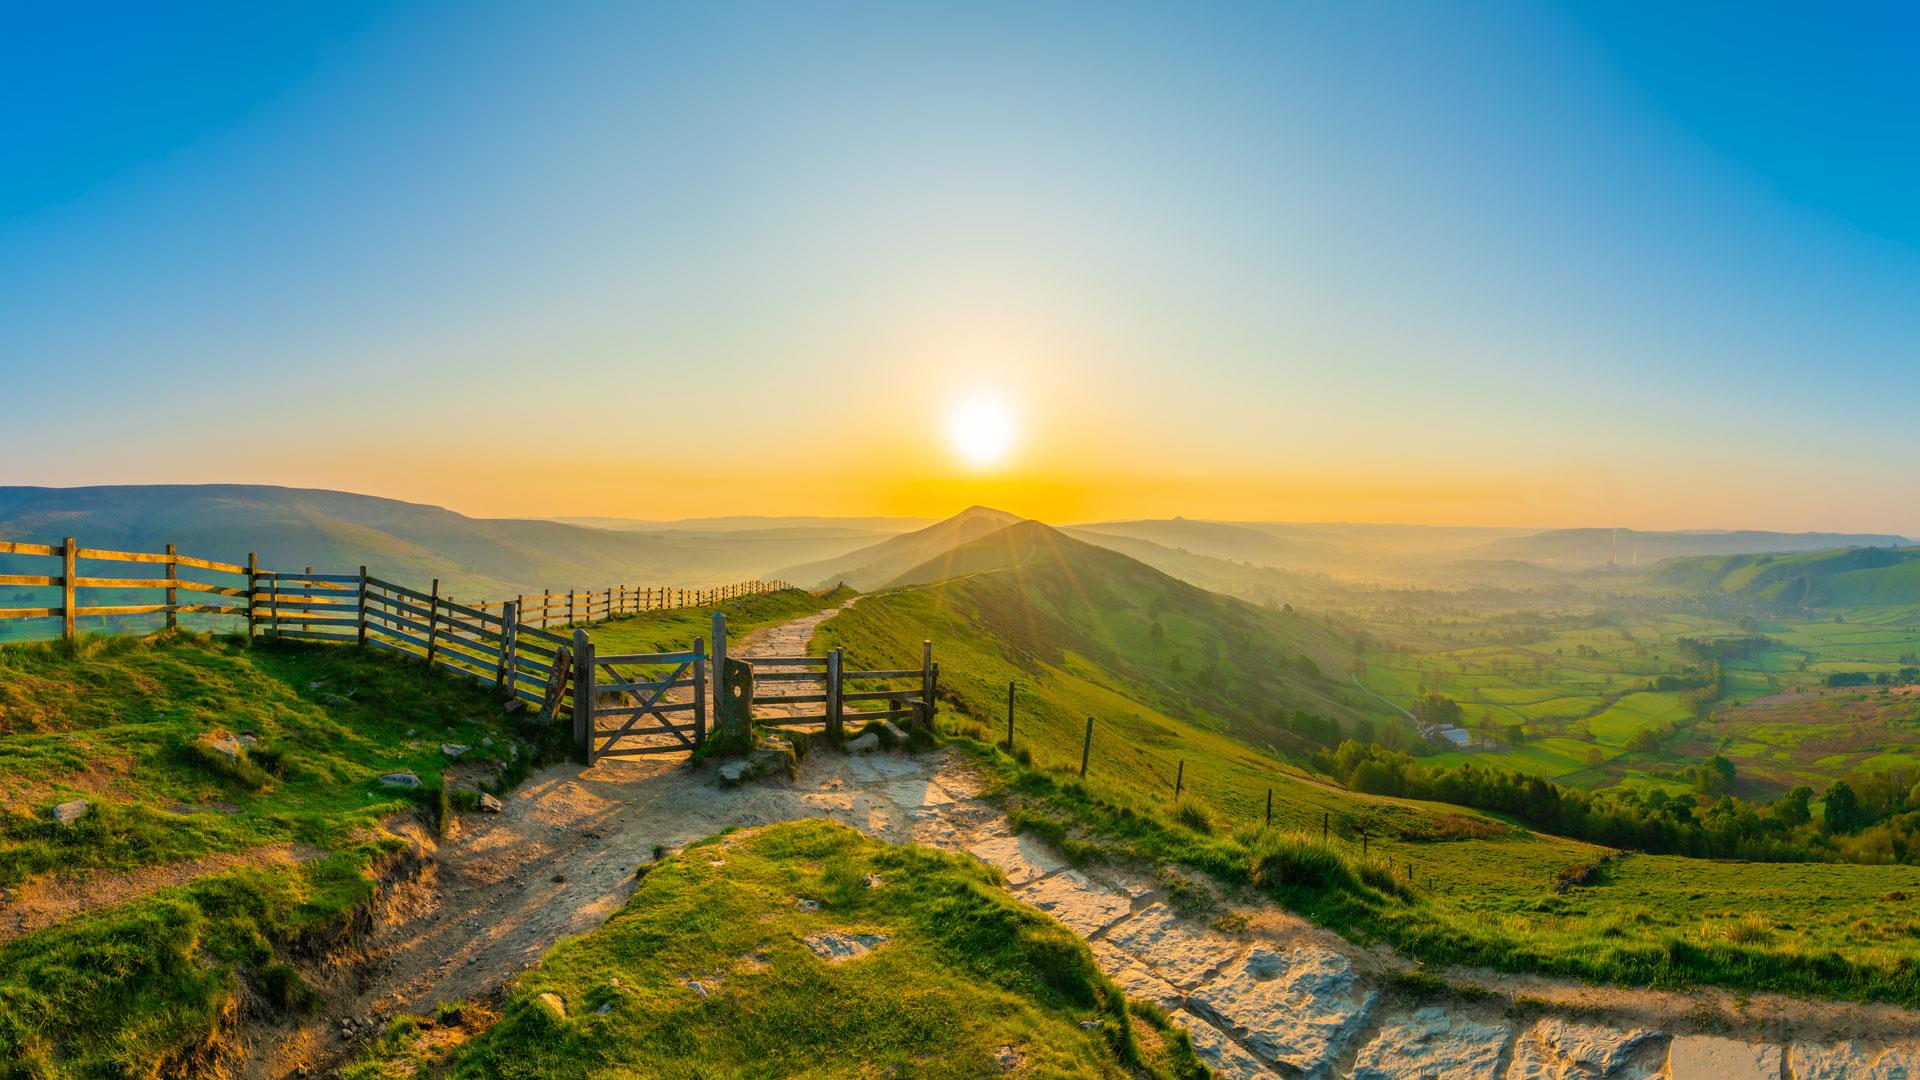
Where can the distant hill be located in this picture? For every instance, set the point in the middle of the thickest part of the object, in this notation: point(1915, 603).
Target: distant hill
point(1854, 577)
point(1075, 625)
point(1595, 547)
point(879, 564)
point(1347, 548)
point(409, 542)
point(750, 523)
point(1220, 540)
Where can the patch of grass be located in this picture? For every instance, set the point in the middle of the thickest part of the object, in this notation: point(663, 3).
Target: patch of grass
point(963, 979)
point(154, 986)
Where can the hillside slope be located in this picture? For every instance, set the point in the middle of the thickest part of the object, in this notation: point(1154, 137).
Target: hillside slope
point(1594, 547)
point(1045, 603)
point(875, 565)
point(408, 542)
point(1854, 577)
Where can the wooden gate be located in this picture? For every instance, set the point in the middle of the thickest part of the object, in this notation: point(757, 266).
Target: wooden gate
point(785, 691)
point(633, 704)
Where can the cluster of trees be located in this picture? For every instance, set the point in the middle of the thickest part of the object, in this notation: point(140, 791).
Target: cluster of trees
point(1704, 650)
point(1906, 676)
point(1873, 818)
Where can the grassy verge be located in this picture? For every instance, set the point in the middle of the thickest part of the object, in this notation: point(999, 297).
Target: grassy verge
point(156, 985)
point(707, 971)
point(672, 631)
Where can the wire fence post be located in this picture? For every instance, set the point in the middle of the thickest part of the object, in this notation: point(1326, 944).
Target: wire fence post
point(1269, 806)
point(1086, 748)
point(1179, 780)
point(1326, 822)
point(1009, 716)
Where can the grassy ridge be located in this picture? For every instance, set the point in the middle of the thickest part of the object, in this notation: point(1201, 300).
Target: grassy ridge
point(707, 971)
point(159, 980)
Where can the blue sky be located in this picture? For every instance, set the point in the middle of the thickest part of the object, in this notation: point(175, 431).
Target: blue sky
point(1505, 263)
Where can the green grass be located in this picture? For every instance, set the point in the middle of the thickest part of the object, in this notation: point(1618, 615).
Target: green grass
point(963, 972)
point(674, 631)
point(158, 981)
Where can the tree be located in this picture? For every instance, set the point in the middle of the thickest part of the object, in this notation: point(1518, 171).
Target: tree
point(1842, 811)
point(1437, 709)
point(1714, 776)
point(1792, 808)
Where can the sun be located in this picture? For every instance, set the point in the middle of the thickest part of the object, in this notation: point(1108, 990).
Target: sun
point(981, 429)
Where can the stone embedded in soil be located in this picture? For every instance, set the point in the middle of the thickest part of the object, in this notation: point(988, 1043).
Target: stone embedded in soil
point(1556, 1049)
point(1710, 1057)
point(554, 1004)
point(222, 743)
point(1020, 858)
point(1299, 1008)
point(835, 947)
point(1135, 979)
point(69, 812)
point(489, 804)
point(406, 780)
point(1069, 897)
point(1852, 1061)
point(1430, 1044)
point(453, 749)
point(1175, 950)
point(865, 744)
point(1226, 1059)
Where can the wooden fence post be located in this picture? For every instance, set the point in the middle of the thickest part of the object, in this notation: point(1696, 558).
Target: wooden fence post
point(173, 591)
point(545, 594)
point(253, 590)
point(363, 605)
point(1326, 822)
point(926, 684)
point(719, 657)
point(1179, 780)
point(1269, 806)
point(67, 559)
point(306, 610)
point(572, 619)
point(1086, 748)
point(273, 606)
point(583, 722)
point(1009, 716)
point(433, 622)
point(609, 613)
point(836, 717)
point(504, 673)
point(700, 692)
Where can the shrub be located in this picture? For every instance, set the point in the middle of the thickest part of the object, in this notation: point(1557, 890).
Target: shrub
point(1191, 815)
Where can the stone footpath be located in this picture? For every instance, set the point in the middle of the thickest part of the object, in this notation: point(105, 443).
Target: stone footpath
point(1282, 998)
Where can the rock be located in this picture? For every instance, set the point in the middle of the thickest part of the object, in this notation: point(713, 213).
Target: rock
point(1168, 946)
point(248, 741)
point(1556, 1049)
point(405, 780)
point(1852, 1060)
point(1021, 858)
point(805, 904)
point(762, 762)
point(873, 881)
point(316, 684)
point(1089, 1025)
point(835, 947)
point(1084, 907)
point(412, 731)
point(865, 744)
point(554, 1004)
point(334, 699)
point(69, 812)
point(1135, 979)
point(1226, 1059)
point(699, 991)
point(892, 732)
point(222, 743)
point(487, 741)
point(1710, 1057)
point(605, 1008)
point(1007, 1059)
point(1430, 1044)
point(515, 705)
point(452, 749)
point(1298, 1009)
point(489, 804)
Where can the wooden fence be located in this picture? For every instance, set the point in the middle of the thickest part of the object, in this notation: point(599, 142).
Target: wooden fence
point(296, 603)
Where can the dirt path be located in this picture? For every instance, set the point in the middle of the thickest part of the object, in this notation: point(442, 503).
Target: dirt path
point(44, 901)
point(1263, 992)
